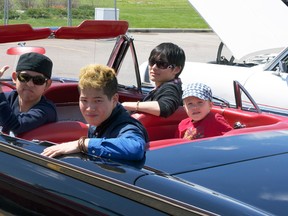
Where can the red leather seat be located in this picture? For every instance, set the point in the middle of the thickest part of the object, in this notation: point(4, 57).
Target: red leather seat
point(161, 128)
point(58, 132)
point(61, 93)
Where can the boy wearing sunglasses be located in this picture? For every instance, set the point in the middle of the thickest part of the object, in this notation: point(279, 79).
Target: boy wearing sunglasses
point(113, 133)
point(26, 108)
point(166, 62)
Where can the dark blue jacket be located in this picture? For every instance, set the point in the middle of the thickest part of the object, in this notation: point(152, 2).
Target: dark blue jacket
point(12, 120)
point(120, 137)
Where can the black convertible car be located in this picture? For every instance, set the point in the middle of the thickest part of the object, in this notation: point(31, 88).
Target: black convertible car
point(228, 175)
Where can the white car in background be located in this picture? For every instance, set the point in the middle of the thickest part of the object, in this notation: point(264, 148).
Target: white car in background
point(255, 32)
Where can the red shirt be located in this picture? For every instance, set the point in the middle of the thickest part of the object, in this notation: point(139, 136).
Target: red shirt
point(211, 125)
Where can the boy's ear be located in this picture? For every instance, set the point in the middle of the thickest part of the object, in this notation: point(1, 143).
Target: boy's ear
point(115, 98)
point(177, 69)
point(14, 76)
point(210, 104)
point(48, 83)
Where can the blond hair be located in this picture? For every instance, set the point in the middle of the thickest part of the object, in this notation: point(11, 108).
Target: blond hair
point(98, 76)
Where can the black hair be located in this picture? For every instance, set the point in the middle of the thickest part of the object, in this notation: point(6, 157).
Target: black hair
point(169, 52)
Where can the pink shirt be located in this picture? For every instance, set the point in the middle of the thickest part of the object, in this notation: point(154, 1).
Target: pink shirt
point(211, 125)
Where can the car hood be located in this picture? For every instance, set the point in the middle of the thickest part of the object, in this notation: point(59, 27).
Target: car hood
point(216, 152)
point(246, 27)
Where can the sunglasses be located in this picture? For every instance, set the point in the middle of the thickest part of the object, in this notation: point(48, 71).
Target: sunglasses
point(37, 80)
point(161, 64)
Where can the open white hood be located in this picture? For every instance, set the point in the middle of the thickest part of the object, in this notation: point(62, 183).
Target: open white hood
point(246, 26)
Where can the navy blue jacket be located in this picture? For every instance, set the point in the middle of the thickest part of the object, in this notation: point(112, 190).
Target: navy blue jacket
point(12, 120)
point(120, 137)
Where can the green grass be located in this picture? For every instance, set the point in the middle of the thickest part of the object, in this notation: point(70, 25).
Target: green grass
point(46, 22)
point(139, 14)
point(160, 14)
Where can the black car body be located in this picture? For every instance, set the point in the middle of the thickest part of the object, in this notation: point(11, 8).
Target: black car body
point(229, 175)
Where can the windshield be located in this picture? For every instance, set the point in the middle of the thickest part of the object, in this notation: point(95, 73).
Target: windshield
point(69, 56)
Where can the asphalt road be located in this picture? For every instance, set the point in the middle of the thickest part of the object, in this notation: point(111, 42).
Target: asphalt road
point(198, 46)
point(70, 56)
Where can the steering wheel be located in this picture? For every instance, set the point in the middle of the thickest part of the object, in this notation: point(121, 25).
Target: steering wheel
point(7, 84)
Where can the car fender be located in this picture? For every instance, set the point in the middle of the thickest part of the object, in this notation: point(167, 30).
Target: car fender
point(267, 85)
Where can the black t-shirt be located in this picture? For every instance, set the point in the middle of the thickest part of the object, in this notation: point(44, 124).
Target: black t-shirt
point(168, 95)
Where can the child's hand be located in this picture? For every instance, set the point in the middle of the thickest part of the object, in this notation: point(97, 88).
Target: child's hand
point(189, 134)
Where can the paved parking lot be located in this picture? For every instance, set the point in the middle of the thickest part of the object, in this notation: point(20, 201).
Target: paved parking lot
point(198, 46)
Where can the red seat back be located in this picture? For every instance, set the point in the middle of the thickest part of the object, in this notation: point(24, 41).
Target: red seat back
point(250, 119)
point(61, 93)
point(159, 127)
point(58, 132)
point(276, 126)
point(165, 128)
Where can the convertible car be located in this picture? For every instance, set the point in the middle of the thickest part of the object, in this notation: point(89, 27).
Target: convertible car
point(254, 51)
point(239, 173)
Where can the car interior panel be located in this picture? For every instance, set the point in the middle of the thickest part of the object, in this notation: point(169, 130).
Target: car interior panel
point(276, 126)
point(160, 127)
point(61, 93)
point(66, 98)
point(249, 119)
point(57, 132)
point(165, 128)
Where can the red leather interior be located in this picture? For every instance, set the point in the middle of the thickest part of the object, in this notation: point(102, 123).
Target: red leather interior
point(275, 126)
point(61, 93)
point(58, 132)
point(165, 128)
point(159, 127)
